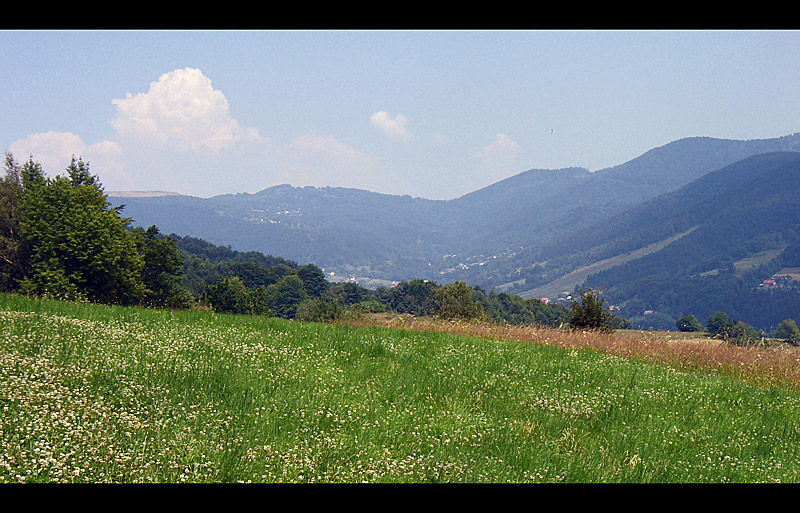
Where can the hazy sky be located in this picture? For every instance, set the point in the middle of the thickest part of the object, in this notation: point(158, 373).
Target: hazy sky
point(434, 114)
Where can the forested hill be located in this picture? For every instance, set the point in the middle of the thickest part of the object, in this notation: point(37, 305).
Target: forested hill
point(728, 232)
point(477, 237)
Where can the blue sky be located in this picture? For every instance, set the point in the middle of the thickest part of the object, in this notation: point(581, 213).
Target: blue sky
point(434, 114)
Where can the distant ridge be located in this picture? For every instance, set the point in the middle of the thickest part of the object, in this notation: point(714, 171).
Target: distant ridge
point(140, 194)
point(512, 232)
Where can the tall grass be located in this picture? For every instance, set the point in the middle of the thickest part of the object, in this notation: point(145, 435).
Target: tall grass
point(104, 394)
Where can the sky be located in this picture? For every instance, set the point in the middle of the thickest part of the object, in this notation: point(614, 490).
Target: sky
point(425, 113)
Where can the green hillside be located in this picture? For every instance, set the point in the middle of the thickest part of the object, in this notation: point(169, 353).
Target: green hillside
point(122, 394)
point(747, 223)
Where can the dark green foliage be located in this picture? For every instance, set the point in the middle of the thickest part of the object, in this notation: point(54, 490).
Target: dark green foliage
point(787, 330)
point(313, 279)
point(689, 323)
point(720, 325)
point(60, 237)
point(349, 293)
point(79, 245)
point(325, 308)
point(229, 295)
point(455, 301)
point(285, 297)
point(13, 248)
point(162, 270)
point(590, 314)
point(413, 297)
point(512, 309)
point(744, 334)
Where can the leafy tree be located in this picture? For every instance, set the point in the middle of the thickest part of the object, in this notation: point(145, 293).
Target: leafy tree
point(161, 273)
point(720, 325)
point(787, 330)
point(285, 296)
point(228, 295)
point(590, 314)
point(414, 297)
point(79, 245)
point(13, 249)
point(349, 293)
point(313, 279)
point(455, 301)
point(744, 334)
point(319, 309)
point(689, 323)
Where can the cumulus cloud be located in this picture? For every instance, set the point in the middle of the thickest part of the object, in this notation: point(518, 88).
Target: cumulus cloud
point(501, 153)
point(53, 150)
point(179, 134)
point(394, 127)
point(182, 106)
point(312, 159)
point(328, 146)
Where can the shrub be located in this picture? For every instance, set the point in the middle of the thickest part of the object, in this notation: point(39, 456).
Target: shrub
point(455, 301)
point(590, 314)
point(689, 323)
point(719, 325)
point(319, 309)
point(788, 331)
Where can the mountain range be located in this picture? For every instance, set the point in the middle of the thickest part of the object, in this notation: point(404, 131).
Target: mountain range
point(537, 233)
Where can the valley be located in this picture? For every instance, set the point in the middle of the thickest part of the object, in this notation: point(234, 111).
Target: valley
point(696, 207)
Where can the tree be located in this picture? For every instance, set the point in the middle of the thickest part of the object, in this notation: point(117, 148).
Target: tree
point(349, 293)
point(590, 314)
point(161, 272)
point(313, 279)
point(787, 330)
point(689, 323)
point(720, 325)
point(285, 296)
point(228, 295)
point(80, 247)
point(13, 250)
point(455, 301)
point(414, 297)
point(319, 309)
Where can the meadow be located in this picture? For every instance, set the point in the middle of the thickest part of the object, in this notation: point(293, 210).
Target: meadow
point(92, 393)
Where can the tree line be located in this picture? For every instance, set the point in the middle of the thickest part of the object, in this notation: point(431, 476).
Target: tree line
point(60, 237)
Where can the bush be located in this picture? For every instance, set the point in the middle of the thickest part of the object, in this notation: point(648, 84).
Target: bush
point(720, 325)
point(455, 301)
point(319, 309)
point(744, 335)
point(788, 331)
point(589, 314)
point(689, 323)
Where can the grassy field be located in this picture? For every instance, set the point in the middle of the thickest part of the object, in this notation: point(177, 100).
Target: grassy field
point(105, 394)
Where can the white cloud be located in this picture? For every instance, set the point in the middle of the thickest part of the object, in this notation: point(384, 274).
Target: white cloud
point(393, 127)
point(183, 107)
point(52, 150)
point(501, 153)
point(324, 160)
point(328, 146)
point(180, 136)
